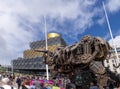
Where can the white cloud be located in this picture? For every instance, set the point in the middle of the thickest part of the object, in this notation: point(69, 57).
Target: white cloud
point(21, 21)
point(14, 39)
point(101, 21)
point(116, 41)
point(113, 5)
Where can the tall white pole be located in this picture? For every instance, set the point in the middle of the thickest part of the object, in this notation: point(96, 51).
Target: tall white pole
point(117, 58)
point(46, 46)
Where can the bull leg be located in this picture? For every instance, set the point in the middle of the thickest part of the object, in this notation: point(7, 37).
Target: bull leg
point(98, 69)
point(102, 80)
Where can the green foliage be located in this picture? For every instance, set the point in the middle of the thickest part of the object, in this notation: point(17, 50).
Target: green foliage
point(2, 69)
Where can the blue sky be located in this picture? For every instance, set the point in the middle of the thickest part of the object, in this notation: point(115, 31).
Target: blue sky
point(21, 22)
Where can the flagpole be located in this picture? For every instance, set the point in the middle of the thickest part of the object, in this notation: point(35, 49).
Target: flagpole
point(109, 27)
point(46, 47)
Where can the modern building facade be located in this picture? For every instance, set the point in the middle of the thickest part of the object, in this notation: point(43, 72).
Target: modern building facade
point(113, 55)
point(113, 63)
point(33, 61)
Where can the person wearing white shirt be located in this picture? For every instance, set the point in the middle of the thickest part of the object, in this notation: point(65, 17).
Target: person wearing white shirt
point(6, 84)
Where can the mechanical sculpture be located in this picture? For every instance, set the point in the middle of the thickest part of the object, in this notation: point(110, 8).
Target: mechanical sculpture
point(74, 60)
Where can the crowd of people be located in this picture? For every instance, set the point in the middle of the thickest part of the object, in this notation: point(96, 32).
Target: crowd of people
point(11, 81)
point(38, 82)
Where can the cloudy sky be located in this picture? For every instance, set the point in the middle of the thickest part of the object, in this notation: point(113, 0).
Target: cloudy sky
point(21, 22)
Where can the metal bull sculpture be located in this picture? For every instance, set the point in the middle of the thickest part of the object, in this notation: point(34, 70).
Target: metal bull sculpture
point(88, 54)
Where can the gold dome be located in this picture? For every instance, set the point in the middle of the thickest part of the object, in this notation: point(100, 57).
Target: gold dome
point(52, 35)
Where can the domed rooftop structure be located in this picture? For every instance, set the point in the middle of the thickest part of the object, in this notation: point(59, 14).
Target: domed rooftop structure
point(52, 35)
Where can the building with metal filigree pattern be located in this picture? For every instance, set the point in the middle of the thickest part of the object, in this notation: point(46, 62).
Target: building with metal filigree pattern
point(32, 61)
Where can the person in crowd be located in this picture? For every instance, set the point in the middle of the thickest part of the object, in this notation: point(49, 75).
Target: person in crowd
point(33, 86)
point(26, 83)
point(37, 84)
point(67, 84)
point(118, 86)
point(70, 86)
point(0, 76)
point(7, 84)
point(110, 83)
point(48, 86)
point(18, 81)
point(93, 86)
point(55, 86)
